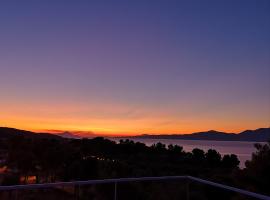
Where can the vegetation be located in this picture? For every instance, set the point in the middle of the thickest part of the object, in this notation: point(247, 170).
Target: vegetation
point(51, 160)
point(256, 176)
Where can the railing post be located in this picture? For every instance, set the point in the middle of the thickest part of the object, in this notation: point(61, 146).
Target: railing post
point(79, 189)
point(16, 194)
point(187, 189)
point(77, 192)
point(115, 190)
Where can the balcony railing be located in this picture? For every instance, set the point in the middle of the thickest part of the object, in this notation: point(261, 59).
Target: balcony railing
point(115, 182)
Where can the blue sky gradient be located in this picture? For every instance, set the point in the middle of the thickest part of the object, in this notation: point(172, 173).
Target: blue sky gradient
point(135, 66)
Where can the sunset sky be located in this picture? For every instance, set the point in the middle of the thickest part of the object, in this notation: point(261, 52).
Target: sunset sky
point(133, 67)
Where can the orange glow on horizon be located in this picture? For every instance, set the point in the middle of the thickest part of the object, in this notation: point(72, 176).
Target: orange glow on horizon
point(115, 119)
point(116, 130)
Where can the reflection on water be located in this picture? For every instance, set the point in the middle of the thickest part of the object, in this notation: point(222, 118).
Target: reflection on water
point(242, 149)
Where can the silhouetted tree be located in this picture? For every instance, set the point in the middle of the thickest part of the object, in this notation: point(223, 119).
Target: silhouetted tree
point(230, 161)
point(213, 158)
point(198, 155)
point(175, 149)
point(256, 175)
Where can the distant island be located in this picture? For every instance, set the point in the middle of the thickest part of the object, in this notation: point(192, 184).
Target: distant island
point(258, 135)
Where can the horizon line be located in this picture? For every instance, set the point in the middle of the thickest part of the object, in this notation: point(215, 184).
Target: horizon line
point(103, 134)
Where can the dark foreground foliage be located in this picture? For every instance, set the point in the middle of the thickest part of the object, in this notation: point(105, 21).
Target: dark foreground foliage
point(52, 160)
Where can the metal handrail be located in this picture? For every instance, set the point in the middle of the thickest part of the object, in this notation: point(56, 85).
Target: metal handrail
point(123, 180)
point(233, 189)
point(89, 182)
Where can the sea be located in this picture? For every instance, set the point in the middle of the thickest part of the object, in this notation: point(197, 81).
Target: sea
point(242, 149)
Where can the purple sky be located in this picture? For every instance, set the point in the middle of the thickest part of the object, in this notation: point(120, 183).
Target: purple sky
point(135, 66)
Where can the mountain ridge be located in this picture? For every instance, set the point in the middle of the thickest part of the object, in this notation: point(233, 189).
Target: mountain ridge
point(257, 135)
point(7, 132)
